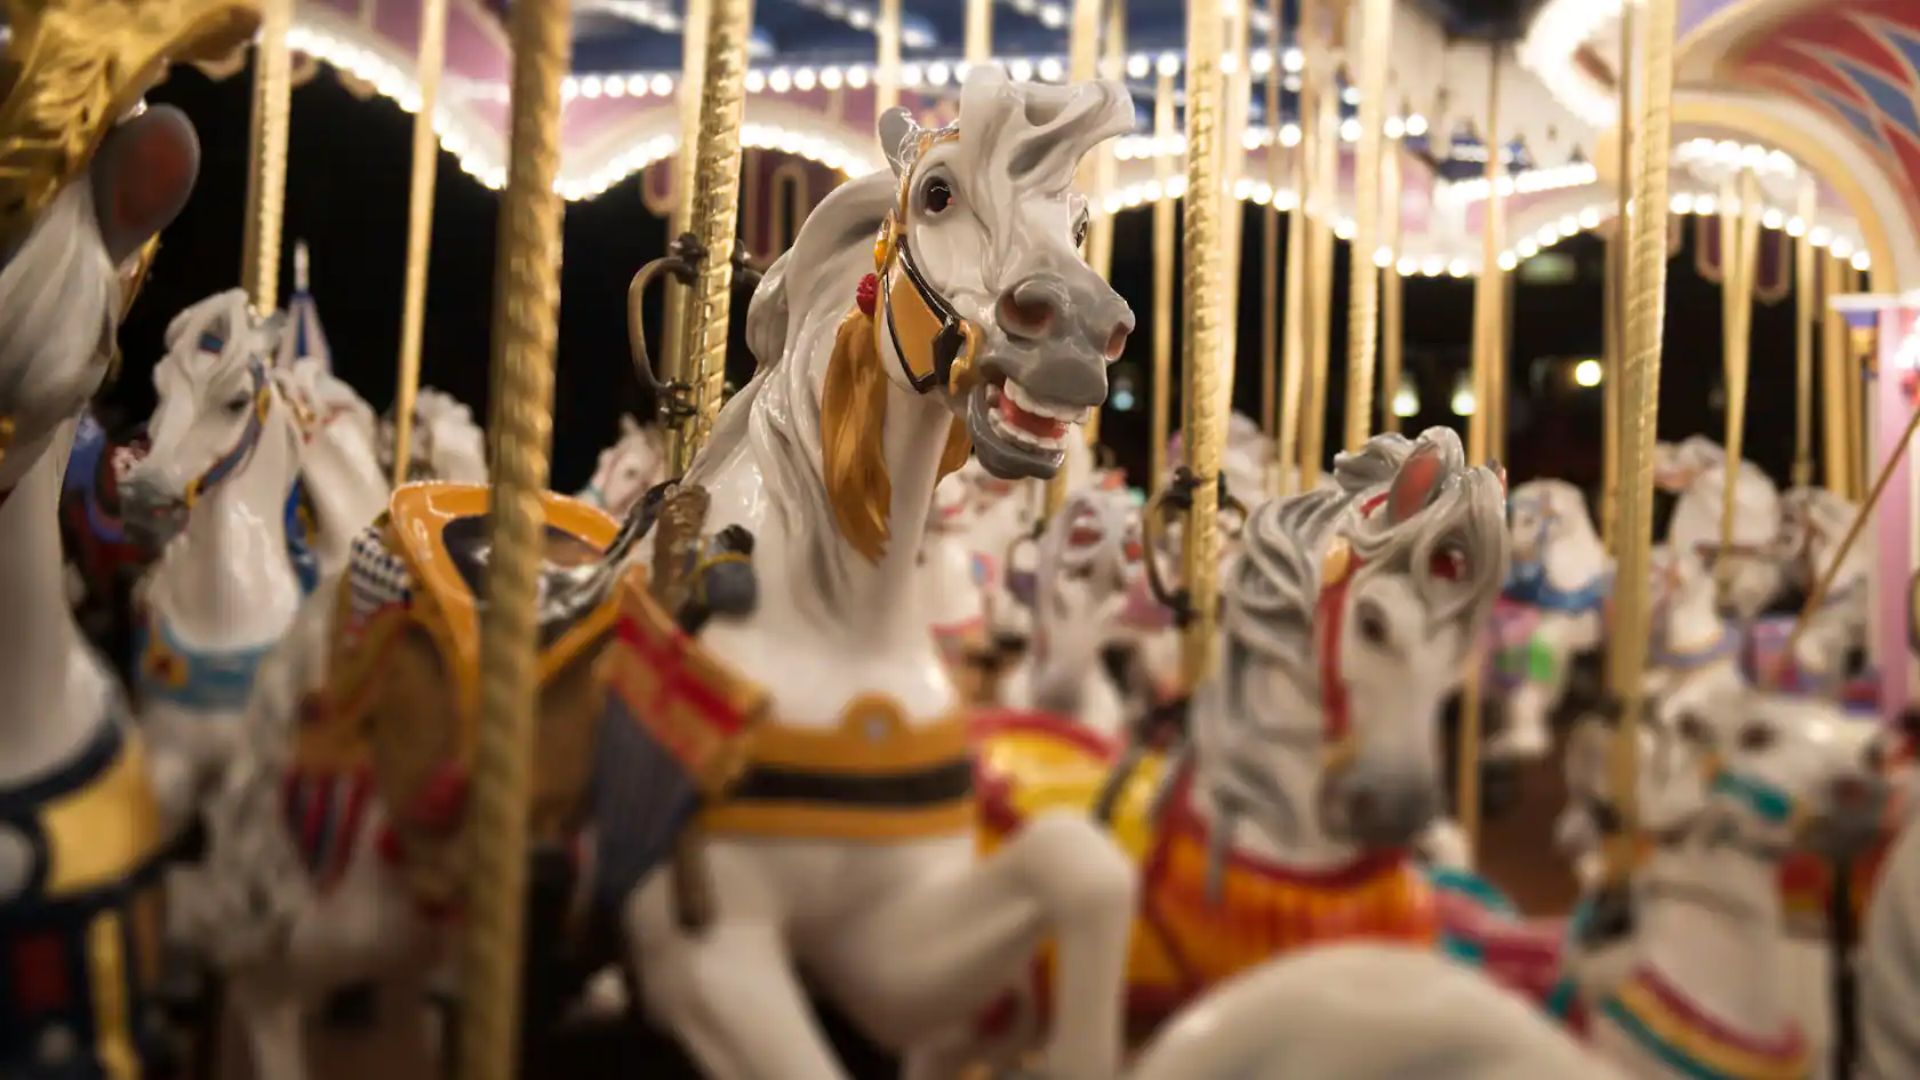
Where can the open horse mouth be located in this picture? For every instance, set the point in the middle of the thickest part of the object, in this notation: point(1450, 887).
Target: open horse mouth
point(1016, 435)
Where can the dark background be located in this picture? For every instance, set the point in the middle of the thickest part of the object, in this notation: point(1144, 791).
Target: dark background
point(347, 196)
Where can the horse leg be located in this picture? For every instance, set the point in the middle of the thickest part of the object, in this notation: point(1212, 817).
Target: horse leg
point(941, 947)
point(269, 1019)
point(728, 992)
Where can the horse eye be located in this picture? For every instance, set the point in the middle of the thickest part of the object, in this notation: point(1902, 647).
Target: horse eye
point(1757, 736)
point(937, 195)
point(1372, 623)
point(1695, 730)
point(1080, 226)
point(238, 404)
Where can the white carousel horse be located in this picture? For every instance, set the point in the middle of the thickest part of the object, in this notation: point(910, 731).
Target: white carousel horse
point(1890, 967)
point(1249, 463)
point(223, 456)
point(1088, 562)
point(1696, 470)
point(1346, 617)
point(626, 470)
point(948, 576)
point(446, 443)
point(340, 471)
point(1365, 1011)
point(829, 458)
point(1702, 985)
point(87, 806)
point(1814, 522)
point(912, 936)
point(1694, 655)
point(1553, 607)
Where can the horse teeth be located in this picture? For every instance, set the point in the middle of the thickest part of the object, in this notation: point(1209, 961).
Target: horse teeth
point(1025, 438)
point(1069, 413)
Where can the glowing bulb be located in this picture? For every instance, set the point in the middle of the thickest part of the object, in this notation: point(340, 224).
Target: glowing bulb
point(1862, 261)
point(1588, 373)
point(1463, 403)
point(1350, 130)
point(1293, 60)
point(1020, 70)
point(803, 79)
point(1508, 260)
point(1407, 265)
point(1457, 268)
point(1290, 135)
point(1406, 401)
point(1416, 126)
point(1051, 70)
point(779, 80)
point(1139, 66)
point(1383, 257)
point(1168, 64)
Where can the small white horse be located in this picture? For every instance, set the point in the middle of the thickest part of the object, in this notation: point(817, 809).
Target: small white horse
point(1813, 523)
point(446, 443)
point(1553, 607)
point(1696, 470)
point(1088, 564)
point(948, 574)
point(635, 462)
point(1702, 984)
point(1693, 659)
point(223, 454)
point(90, 806)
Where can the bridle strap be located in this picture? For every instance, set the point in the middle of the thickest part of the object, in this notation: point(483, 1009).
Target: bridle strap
point(950, 348)
point(242, 450)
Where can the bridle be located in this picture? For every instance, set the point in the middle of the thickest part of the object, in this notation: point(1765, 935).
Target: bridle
point(242, 450)
point(935, 344)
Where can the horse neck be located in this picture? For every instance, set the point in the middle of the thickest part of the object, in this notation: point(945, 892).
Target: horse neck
point(56, 692)
point(1693, 623)
point(1574, 562)
point(228, 580)
point(1729, 965)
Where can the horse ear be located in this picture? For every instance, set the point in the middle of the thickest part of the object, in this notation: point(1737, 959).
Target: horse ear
point(898, 133)
point(1415, 485)
point(142, 175)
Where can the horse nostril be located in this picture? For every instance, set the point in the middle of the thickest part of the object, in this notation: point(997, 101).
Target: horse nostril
point(1117, 341)
point(1029, 315)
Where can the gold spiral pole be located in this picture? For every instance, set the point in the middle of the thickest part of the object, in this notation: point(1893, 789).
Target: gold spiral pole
point(1163, 236)
point(1486, 291)
point(1083, 53)
point(1618, 243)
point(525, 307)
point(1235, 114)
point(1646, 299)
point(1392, 295)
point(1836, 471)
point(267, 158)
point(1363, 278)
point(1297, 342)
point(886, 74)
point(1859, 351)
point(1270, 288)
point(716, 201)
point(1205, 427)
point(1324, 139)
point(1739, 244)
point(979, 31)
point(426, 159)
point(1113, 61)
point(676, 312)
point(1803, 315)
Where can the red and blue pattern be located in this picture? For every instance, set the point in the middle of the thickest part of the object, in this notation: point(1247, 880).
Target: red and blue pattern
point(325, 814)
point(1857, 61)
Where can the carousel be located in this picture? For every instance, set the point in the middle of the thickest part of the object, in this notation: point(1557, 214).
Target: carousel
point(1039, 620)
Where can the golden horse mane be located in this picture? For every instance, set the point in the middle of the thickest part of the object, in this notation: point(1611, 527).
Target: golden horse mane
point(853, 417)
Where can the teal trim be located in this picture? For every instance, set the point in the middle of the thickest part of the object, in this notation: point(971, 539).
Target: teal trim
point(1671, 1056)
point(1471, 885)
point(1766, 800)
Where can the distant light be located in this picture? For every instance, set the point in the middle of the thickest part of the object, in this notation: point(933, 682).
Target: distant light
point(778, 80)
point(1139, 66)
point(1457, 268)
point(1383, 257)
point(1290, 135)
point(1416, 125)
point(1395, 127)
point(1051, 70)
point(1020, 70)
point(1508, 260)
point(1463, 403)
point(1350, 95)
point(1349, 130)
point(1168, 64)
point(1293, 60)
point(661, 85)
point(1588, 373)
point(1122, 400)
point(1406, 401)
point(1862, 261)
point(803, 79)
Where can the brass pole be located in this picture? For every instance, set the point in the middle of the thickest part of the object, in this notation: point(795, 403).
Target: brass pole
point(1835, 421)
point(1163, 237)
point(1207, 327)
point(1818, 596)
point(1101, 228)
point(716, 201)
point(1639, 399)
point(1297, 345)
point(677, 313)
point(1859, 433)
point(525, 308)
point(1235, 115)
point(426, 159)
point(1083, 52)
point(267, 158)
point(1618, 243)
point(1486, 293)
point(1363, 300)
point(1392, 307)
point(886, 80)
point(1739, 239)
point(1326, 191)
point(1803, 313)
point(979, 31)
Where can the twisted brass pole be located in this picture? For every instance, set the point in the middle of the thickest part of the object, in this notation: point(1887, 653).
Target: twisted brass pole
point(1235, 113)
point(267, 158)
point(1363, 277)
point(525, 307)
point(886, 75)
point(979, 30)
point(426, 158)
point(1803, 314)
point(1083, 52)
point(1618, 243)
point(1739, 241)
point(1205, 429)
point(1392, 308)
point(1836, 471)
point(677, 314)
point(1297, 343)
point(1324, 139)
point(1163, 236)
point(716, 201)
point(1646, 298)
point(1486, 300)
point(1270, 241)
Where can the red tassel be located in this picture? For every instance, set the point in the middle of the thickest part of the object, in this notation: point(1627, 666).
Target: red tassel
point(868, 294)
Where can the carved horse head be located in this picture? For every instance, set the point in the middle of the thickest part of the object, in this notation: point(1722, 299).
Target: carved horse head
point(65, 281)
point(1353, 608)
point(982, 295)
point(634, 463)
point(1552, 530)
point(216, 396)
point(1813, 522)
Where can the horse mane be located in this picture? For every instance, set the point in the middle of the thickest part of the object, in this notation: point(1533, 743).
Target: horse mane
point(58, 299)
